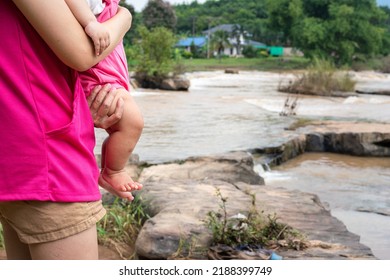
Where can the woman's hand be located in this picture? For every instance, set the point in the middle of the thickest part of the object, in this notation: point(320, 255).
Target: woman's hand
point(100, 101)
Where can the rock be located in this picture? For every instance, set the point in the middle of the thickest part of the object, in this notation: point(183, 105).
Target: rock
point(357, 139)
point(231, 71)
point(231, 167)
point(134, 84)
point(172, 83)
point(177, 83)
point(306, 91)
point(180, 196)
point(314, 142)
point(377, 92)
point(379, 211)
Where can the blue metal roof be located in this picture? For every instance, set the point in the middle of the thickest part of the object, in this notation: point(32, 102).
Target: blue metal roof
point(187, 42)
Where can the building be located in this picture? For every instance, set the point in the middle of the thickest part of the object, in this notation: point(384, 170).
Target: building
point(186, 43)
point(236, 43)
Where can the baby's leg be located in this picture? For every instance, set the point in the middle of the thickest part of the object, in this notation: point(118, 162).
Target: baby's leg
point(122, 139)
point(104, 184)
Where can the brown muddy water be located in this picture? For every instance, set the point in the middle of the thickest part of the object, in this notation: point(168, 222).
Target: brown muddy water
point(356, 190)
point(226, 112)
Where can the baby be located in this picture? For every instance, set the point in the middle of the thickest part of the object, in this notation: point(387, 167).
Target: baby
point(124, 135)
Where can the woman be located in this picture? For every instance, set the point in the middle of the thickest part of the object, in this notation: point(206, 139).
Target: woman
point(49, 196)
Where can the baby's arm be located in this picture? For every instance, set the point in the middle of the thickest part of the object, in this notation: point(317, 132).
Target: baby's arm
point(73, 47)
point(96, 31)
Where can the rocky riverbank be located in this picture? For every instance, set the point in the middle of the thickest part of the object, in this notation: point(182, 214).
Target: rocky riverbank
point(351, 138)
point(179, 195)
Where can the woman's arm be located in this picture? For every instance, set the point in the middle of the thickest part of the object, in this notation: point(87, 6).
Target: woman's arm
point(95, 30)
point(56, 24)
point(81, 11)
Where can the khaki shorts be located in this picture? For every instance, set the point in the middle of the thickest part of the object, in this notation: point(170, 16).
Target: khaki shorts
point(39, 222)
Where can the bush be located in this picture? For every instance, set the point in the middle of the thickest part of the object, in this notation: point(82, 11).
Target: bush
point(186, 54)
point(385, 65)
point(264, 53)
point(321, 78)
point(132, 52)
point(250, 52)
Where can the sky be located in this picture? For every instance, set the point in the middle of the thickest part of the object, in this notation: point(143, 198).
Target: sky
point(140, 4)
point(383, 2)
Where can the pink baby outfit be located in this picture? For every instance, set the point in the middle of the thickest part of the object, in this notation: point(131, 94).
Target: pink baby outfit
point(47, 134)
point(113, 69)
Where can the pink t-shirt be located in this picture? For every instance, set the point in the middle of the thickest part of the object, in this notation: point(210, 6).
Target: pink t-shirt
point(47, 134)
point(113, 69)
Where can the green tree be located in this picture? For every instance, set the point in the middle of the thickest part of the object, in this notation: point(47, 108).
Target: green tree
point(155, 56)
point(219, 41)
point(238, 32)
point(386, 25)
point(159, 13)
point(246, 13)
point(341, 30)
point(131, 35)
point(283, 15)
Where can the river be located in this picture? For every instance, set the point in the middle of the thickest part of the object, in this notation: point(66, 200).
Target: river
point(226, 112)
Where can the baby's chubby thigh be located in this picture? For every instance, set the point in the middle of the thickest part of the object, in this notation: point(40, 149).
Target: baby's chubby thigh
point(132, 116)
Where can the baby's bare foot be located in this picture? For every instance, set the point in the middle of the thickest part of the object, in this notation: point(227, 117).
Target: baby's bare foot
point(120, 180)
point(122, 194)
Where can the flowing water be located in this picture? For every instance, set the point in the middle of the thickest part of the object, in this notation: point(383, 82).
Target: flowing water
point(356, 190)
point(226, 112)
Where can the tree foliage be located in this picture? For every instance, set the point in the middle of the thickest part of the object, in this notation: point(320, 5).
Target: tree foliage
point(159, 13)
point(219, 41)
point(341, 30)
point(136, 20)
point(194, 18)
point(155, 55)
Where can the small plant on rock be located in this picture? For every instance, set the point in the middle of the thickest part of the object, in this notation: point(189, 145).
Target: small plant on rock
point(255, 228)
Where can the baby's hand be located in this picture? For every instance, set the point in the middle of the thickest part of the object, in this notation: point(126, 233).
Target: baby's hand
point(99, 35)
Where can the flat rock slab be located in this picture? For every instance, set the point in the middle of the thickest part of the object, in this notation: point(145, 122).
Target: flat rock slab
point(346, 127)
point(179, 197)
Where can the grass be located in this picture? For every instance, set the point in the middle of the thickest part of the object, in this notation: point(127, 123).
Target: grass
point(2, 245)
point(248, 64)
point(259, 64)
point(120, 226)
